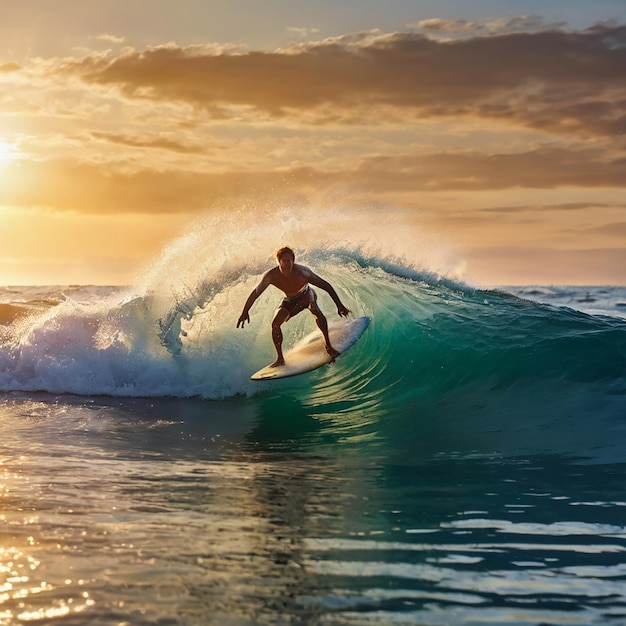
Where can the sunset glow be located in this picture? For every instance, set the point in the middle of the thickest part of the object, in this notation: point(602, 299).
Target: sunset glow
point(500, 136)
point(7, 151)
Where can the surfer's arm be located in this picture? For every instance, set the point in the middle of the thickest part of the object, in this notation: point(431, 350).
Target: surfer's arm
point(316, 280)
point(245, 316)
point(254, 294)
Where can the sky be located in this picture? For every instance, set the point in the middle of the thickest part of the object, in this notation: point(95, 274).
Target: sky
point(496, 128)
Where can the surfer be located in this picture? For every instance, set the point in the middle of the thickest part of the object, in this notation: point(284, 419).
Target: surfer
point(295, 281)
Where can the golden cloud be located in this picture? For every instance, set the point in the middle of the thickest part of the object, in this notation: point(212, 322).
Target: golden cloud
point(557, 81)
point(64, 184)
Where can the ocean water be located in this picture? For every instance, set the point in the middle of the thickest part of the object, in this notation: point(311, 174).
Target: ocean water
point(462, 464)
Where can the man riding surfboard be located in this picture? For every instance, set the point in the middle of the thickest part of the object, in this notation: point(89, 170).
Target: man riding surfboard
point(295, 281)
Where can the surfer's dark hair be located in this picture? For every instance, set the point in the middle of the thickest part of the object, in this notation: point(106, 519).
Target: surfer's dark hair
point(285, 250)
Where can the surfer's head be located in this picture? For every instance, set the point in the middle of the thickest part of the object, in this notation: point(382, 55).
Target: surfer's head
point(285, 251)
point(285, 257)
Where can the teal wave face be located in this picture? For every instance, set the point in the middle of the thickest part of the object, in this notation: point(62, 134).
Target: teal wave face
point(432, 338)
point(448, 368)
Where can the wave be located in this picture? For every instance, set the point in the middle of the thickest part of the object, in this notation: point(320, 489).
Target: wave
point(429, 337)
point(440, 360)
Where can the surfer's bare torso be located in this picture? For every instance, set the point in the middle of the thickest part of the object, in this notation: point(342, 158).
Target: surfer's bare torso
point(291, 283)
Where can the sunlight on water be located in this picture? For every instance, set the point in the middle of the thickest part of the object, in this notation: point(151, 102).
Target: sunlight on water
point(25, 596)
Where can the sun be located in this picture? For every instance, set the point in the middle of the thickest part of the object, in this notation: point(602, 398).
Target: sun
point(7, 152)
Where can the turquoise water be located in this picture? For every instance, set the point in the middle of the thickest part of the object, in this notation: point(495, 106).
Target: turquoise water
point(463, 463)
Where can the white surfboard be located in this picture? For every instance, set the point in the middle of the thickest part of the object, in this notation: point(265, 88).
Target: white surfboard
point(310, 353)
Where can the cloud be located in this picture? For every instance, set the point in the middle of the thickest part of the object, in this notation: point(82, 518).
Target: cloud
point(147, 113)
point(567, 83)
point(567, 207)
point(614, 229)
point(541, 168)
point(9, 66)
point(111, 38)
point(159, 142)
point(439, 25)
point(64, 184)
point(525, 23)
point(302, 32)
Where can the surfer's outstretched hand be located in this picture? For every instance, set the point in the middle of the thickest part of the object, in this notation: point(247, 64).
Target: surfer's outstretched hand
point(243, 318)
point(343, 311)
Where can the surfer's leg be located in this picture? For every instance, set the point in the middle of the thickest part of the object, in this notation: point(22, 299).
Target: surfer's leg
point(322, 324)
point(280, 317)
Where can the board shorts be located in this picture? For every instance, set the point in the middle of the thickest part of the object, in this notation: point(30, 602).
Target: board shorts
point(298, 302)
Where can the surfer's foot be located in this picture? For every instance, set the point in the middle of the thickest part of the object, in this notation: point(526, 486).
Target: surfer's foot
point(333, 353)
point(278, 362)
